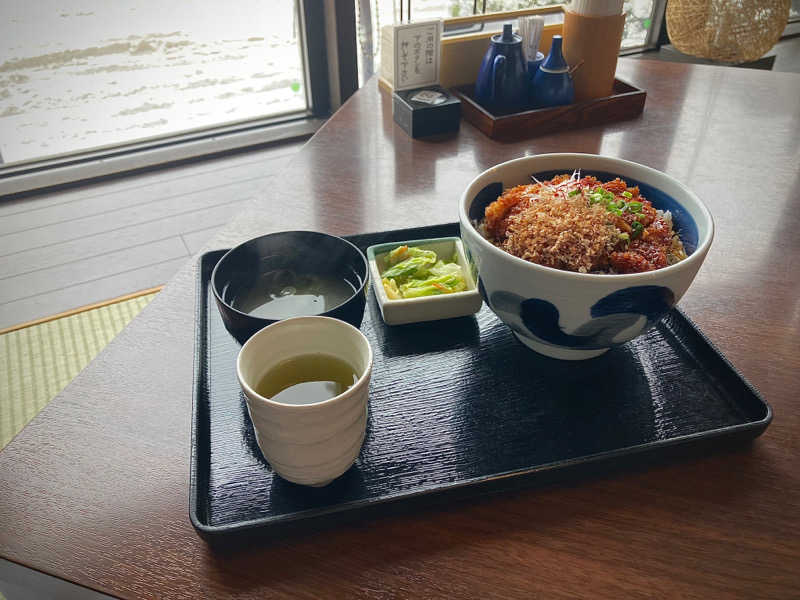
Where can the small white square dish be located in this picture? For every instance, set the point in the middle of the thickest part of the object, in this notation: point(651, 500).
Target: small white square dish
point(424, 308)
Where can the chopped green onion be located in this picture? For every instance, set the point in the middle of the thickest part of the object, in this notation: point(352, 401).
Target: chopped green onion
point(638, 228)
point(627, 194)
point(635, 207)
point(620, 204)
point(575, 192)
point(624, 236)
point(615, 210)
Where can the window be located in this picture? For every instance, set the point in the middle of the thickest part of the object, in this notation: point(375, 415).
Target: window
point(89, 78)
point(641, 25)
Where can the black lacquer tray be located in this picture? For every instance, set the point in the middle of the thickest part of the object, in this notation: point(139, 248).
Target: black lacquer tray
point(459, 407)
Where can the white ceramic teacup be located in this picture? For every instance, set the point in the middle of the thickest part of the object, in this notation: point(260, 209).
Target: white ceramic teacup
point(309, 444)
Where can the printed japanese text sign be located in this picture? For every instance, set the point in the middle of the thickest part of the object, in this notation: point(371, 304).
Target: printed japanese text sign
point(416, 54)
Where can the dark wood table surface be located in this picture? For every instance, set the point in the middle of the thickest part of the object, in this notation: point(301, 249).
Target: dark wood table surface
point(96, 489)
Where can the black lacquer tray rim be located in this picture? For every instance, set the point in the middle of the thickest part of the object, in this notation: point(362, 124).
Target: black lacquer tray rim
point(752, 428)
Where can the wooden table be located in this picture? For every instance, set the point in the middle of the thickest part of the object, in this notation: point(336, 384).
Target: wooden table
point(95, 489)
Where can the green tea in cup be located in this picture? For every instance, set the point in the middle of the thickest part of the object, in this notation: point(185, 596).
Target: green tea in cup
point(307, 379)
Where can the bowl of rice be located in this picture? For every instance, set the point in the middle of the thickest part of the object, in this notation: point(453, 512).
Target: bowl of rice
point(578, 253)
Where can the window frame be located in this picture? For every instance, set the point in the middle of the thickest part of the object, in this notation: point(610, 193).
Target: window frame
point(50, 173)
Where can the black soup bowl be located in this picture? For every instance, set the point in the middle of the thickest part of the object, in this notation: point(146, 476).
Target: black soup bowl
point(289, 274)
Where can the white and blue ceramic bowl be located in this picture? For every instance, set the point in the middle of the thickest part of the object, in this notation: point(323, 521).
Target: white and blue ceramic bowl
point(575, 316)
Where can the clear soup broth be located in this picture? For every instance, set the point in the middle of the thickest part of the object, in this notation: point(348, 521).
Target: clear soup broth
point(307, 379)
point(283, 294)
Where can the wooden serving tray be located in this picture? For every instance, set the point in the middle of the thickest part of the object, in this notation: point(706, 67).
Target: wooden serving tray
point(460, 407)
point(626, 102)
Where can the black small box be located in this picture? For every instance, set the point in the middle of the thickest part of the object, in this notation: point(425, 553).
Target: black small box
point(426, 111)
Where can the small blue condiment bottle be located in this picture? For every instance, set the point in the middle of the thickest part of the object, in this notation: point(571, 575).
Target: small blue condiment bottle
point(552, 83)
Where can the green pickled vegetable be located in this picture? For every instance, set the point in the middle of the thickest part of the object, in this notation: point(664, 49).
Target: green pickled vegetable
point(392, 291)
point(402, 253)
point(416, 273)
point(396, 255)
point(416, 265)
point(433, 286)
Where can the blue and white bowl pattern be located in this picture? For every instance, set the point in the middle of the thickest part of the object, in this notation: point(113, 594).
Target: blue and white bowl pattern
point(575, 316)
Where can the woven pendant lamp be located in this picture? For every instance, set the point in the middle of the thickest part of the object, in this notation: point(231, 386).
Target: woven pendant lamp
point(728, 31)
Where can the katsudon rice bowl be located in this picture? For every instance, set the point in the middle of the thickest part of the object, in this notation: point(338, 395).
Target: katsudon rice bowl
point(578, 253)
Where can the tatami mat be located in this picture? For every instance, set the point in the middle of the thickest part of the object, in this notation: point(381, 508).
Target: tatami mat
point(37, 361)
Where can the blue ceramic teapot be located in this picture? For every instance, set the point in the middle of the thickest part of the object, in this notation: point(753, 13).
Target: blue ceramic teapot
point(502, 84)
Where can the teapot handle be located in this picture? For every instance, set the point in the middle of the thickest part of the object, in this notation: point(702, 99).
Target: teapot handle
point(498, 66)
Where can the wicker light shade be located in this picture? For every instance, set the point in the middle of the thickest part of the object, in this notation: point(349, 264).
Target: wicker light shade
point(731, 31)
